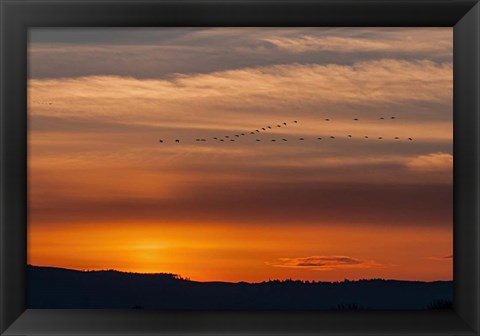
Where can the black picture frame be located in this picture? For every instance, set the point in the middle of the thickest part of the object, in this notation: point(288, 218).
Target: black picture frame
point(17, 16)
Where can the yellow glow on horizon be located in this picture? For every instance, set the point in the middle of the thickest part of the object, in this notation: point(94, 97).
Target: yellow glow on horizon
point(232, 253)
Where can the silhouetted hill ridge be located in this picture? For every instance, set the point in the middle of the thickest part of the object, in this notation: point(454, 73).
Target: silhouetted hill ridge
point(51, 287)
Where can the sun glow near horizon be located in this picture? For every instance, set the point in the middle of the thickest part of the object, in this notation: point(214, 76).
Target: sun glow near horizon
point(219, 252)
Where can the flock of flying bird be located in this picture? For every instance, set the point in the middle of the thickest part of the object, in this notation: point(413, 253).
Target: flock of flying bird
point(234, 137)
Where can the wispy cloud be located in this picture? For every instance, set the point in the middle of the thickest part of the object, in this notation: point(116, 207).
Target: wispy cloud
point(442, 258)
point(253, 94)
point(434, 162)
point(384, 80)
point(391, 42)
point(161, 52)
point(326, 263)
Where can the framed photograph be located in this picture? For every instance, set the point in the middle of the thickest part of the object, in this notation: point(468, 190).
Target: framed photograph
point(238, 167)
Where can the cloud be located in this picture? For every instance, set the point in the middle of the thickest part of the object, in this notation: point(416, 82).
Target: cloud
point(254, 95)
point(267, 80)
point(391, 42)
point(434, 162)
point(442, 258)
point(326, 263)
point(131, 195)
point(161, 52)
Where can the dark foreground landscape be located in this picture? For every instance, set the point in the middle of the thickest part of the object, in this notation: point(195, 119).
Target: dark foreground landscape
point(63, 288)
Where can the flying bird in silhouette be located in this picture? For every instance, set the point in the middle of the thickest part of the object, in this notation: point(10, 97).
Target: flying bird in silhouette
point(392, 117)
point(295, 121)
point(274, 140)
point(301, 139)
point(319, 138)
point(382, 118)
point(349, 136)
point(397, 138)
point(410, 139)
point(232, 140)
point(269, 127)
point(238, 136)
point(366, 136)
point(177, 140)
point(215, 138)
point(263, 128)
point(284, 139)
point(160, 140)
point(332, 137)
point(243, 133)
point(226, 136)
point(257, 131)
point(380, 138)
point(221, 140)
point(285, 123)
point(257, 140)
point(203, 139)
point(327, 119)
point(355, 119)
point(279, 126)
point(252, 132)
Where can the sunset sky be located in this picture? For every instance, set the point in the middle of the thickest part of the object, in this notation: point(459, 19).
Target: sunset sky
point(104, 193)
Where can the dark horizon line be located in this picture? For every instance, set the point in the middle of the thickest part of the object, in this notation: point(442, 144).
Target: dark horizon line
point(179, 277)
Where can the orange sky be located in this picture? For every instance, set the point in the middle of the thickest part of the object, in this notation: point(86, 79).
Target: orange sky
point(105, 194)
